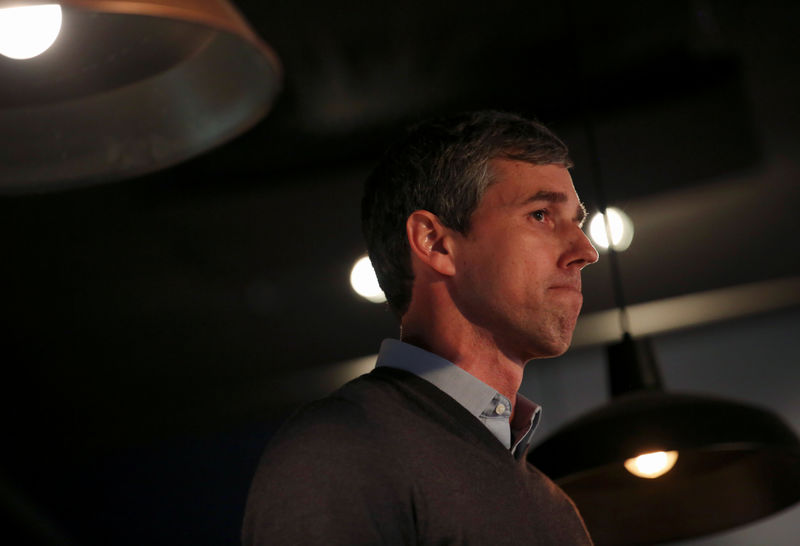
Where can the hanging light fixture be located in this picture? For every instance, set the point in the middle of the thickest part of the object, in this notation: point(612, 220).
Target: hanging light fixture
point(731, 463)
point(652, 466)
point(123, 88)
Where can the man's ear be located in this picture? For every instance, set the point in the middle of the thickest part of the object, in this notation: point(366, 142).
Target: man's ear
point(430, 241)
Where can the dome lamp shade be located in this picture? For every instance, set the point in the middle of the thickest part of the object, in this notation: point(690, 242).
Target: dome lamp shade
point(128, 88)
point(733, 463)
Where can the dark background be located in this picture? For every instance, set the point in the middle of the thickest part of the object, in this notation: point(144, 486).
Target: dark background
point(156, 331)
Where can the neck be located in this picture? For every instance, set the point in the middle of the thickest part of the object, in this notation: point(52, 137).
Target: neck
point(452, 337)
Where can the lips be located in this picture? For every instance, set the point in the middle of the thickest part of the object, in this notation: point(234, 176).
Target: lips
point(575, 288)
point(574, 285)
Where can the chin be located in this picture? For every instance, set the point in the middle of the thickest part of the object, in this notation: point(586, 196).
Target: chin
point(558, 351)
point(547, 339)
point(551, 349)
point(561, 340)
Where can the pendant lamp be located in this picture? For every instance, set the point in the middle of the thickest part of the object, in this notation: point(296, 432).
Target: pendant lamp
point(732, 463)
point(652, 466)
point(127, 88)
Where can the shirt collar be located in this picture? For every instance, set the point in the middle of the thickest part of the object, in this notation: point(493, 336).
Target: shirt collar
point(469, 391)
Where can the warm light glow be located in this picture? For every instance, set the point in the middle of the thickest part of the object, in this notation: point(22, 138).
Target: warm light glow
point(620, 226)
point(652, 465)
point(28, 31)
point(364, 282)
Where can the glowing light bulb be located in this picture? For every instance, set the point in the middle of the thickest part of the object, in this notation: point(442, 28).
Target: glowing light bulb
point(619, 224)
point(652, 465)
point(364, 281)
point(28, 31)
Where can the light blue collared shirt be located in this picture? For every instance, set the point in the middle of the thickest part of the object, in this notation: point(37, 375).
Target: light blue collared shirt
point(489, 406)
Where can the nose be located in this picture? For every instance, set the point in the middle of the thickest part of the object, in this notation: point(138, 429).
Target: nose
point(580, 251)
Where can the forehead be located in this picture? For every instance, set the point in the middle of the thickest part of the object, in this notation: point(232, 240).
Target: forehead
point(513, 183)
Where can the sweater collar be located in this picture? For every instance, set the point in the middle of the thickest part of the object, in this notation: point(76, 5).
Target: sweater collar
point(479, 399)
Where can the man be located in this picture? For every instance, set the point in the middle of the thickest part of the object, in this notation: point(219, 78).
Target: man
point(474, 230)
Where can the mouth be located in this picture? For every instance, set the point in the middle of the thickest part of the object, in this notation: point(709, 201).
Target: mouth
point(571, 287)
point(568, 291)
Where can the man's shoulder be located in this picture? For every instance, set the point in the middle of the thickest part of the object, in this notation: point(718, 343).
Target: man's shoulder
point(330, 416)
point(360, 408)
point(385, 410)
point(330, 475)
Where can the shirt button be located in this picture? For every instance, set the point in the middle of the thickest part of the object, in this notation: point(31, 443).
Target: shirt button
point(500, 409)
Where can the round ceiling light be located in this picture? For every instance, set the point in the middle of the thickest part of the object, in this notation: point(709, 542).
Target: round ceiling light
point(620, 227)
point(364, 281)
point(28, 31)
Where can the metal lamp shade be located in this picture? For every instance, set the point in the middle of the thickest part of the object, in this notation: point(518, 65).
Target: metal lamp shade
point(129, 88)
point(736, 463)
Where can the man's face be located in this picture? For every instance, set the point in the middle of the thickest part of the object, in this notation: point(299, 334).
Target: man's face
point(518, 268)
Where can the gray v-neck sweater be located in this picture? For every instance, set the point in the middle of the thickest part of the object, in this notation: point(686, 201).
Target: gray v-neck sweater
point(391, 459)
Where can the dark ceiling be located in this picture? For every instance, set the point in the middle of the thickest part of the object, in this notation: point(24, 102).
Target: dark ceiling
point(176, 300)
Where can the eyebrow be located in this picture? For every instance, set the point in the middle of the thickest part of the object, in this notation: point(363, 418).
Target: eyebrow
point(558, 197)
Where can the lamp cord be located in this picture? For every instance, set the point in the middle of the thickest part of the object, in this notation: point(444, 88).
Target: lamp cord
point(613, 261)
point(582, 85)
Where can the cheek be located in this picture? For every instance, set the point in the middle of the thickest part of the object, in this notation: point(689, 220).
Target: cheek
point(505, 264)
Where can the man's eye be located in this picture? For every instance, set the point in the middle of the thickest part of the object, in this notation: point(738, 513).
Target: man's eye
point(539, 215)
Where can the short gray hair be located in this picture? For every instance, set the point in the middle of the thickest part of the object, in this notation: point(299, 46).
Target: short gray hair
point(442, 166)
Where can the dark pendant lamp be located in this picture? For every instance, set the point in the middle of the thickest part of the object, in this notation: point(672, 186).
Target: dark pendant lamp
point(722, 463)
point(128, 88)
